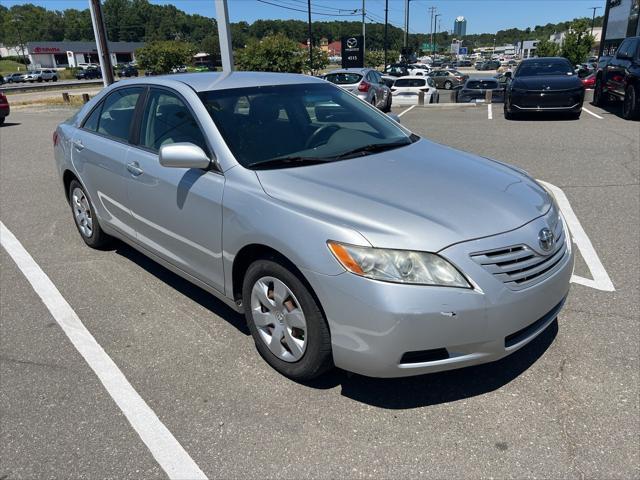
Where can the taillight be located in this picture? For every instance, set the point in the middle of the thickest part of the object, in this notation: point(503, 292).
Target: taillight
point(55, 138)
point(364, 87)
point(3, 98)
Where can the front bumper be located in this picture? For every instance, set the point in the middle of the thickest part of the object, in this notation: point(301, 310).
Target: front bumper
point(534, 101)
point(384, 329)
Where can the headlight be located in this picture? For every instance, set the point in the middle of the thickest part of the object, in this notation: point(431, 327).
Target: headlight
point(398, 266)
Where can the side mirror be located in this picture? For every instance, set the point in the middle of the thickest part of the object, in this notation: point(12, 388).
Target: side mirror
point(394, 117)
point(623, 56)
point(183, 155)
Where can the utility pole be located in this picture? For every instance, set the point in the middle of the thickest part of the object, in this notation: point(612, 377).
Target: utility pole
point(100, 33)
point(224, 35)
point(310, 40)
point(432, 10)
point(406, 23)
point(435, 27)
point(386, 25)
point(593, 18)
point(364, 30)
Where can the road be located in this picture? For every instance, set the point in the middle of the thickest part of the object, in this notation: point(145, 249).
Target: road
point(565, 406)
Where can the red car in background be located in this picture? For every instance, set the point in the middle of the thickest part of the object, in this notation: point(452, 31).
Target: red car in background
point(4, 107)
point(590, 81)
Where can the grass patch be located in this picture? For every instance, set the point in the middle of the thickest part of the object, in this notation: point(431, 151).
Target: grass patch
point(11, 66)
point(74, 100)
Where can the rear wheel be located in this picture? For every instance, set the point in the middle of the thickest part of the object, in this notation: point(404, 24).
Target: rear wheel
point(55, 79)
point(85, 217)
point(599, 96)
point(285, 320)
point(508, 115)
point(631, 103)
point(448, 85)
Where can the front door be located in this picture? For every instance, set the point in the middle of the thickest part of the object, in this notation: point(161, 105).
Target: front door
point(177, 211)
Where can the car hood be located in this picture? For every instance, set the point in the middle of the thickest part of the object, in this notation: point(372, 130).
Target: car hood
point(424, 196)
point(548, 82)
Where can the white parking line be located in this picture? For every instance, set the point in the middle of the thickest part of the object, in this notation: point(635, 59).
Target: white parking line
point(169, 454)
point(405, 111)
point(489, 112)
point(591, 113)
point(601, 280)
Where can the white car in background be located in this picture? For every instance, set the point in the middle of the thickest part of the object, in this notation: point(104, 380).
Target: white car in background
point(418, 69)
point(406, 90)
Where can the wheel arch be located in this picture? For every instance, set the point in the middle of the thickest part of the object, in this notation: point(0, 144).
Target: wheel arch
point(67, 177)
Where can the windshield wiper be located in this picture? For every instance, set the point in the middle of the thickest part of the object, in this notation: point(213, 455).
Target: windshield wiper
point(286, 162)
point(371, 148)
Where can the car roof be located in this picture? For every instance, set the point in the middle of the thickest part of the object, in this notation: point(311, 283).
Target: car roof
point(544, 59)
point(205, 81)
point(349, 70)
point(414, 77)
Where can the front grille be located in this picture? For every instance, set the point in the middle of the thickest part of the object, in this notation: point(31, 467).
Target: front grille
point(520, 266)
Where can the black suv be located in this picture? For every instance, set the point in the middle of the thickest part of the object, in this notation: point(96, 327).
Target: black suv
point(128, 71)
point(619, 77)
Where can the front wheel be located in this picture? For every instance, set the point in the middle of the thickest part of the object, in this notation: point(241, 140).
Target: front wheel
point(631, 103)
point(55, 79)
point(85, 217)
point(286, 322)
point(448, 85)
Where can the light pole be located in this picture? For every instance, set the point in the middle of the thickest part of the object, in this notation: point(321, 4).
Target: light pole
point(406, 23)
point(386, 28)
point(310, 40)
point(593, 18)
point(434, 38)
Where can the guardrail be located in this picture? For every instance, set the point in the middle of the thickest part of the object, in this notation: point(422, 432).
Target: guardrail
point(37, 87)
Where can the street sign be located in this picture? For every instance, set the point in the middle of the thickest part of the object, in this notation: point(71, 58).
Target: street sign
point(352, 52)
point(462, 51)
point(429, 47)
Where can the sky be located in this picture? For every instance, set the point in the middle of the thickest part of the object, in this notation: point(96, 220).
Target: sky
point(483, 16)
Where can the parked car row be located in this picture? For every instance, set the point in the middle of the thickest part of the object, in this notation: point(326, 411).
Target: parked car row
point(31, 76)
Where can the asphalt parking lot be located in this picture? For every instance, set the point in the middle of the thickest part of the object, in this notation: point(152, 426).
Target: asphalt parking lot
point(565, 406)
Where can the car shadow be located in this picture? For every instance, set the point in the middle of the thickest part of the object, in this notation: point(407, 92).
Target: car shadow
point(442, 387)
point(613, 107)
point(9, 124)
point(543, 116)
point(186, 288)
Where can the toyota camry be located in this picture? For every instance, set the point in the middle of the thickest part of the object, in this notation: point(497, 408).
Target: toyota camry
point(345, 239)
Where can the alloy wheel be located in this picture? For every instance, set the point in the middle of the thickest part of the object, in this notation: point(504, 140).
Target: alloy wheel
point(279, 319)
point(82, 212)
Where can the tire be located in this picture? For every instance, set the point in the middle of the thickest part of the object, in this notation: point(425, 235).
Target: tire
point(2, 120)
point(575, 116)
point(55, 79)
point(81, 204)
point(374, 102)
point(631, 103)
point(310, 358)
point(448, 85)
point(387, 105)
point(599, 96)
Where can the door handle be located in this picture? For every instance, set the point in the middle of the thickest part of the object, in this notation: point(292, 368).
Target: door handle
point(134, 169)
point(78, 145)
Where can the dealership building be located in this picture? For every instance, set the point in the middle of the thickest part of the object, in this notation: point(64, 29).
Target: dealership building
point(620, 21)
point(71, 54)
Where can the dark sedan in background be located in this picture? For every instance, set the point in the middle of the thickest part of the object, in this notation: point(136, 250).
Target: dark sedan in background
point(475, 90)
point(544, 85)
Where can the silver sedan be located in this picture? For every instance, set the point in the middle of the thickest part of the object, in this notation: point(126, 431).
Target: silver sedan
point(344, 238)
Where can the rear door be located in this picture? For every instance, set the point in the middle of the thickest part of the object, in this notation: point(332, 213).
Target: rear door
point(177, 211)
point(618, 65)
point(99, 154)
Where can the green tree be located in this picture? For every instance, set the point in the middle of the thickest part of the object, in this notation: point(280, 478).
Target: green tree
point(320, 60)
point(577, 42)
point(162, 56)
point(547, 48)
point(274, 53)
point(374, 58)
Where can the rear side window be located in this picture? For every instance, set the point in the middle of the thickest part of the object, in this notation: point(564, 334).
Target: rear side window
point(167, 120)
point(481, 85)
point(410, 82)
point(343, 78)
point(117, 113)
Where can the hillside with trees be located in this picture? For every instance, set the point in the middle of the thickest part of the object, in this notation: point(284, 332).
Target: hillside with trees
point(139, 20)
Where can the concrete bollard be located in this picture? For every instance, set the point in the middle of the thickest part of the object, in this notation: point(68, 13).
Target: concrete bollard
point(65, 97)
point(421, 98)
point(452, 96)
point(85, 97)
point(488, 96)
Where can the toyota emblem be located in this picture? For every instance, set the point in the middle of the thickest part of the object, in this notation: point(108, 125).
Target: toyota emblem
point(352, 42)
point(546, 238)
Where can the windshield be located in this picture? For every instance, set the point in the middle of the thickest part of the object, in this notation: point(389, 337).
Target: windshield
point(544, 67)
point(344, 78)
point(481, 85)
point(308, 122)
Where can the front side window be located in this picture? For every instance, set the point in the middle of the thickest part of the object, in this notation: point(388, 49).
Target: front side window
point(167, 120)
point(117, 113)
point(303, 123)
